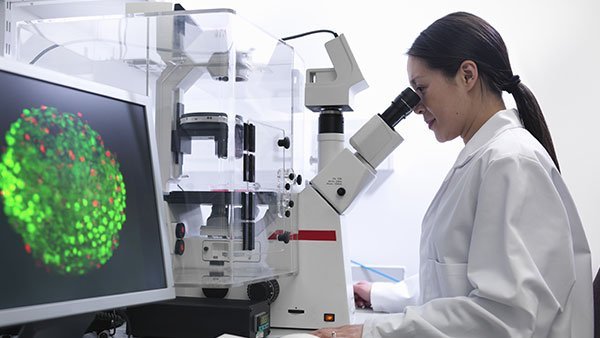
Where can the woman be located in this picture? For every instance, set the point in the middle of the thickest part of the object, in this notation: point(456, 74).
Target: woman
point(503, 251)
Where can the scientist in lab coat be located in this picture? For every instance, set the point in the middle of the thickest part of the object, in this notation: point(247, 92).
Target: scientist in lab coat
point(503, 252)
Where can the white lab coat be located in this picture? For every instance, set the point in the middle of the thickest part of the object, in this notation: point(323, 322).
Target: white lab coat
point(503, 251)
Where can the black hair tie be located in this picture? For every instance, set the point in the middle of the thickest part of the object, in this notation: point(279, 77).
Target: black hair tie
point(512, 84)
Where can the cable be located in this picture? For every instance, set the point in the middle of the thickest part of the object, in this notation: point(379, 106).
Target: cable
point(308, 33)
point(54, 46)
point(392, 278)
point(37, 57)
point(124, 44)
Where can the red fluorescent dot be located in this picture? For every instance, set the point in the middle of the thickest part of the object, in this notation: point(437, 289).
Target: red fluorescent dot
point(27, 137)
point(110, 200)
point(92, 172)
point(98, 266)
point(95, 203)
point(118, 188)
point(107, 153)
point(46, 130)
point(79, 114)
point(1, 193)
point(42, 148)
point(71, 155)
point(28, 248)
point(43, 107)
point(81, 159)
point(112, 161)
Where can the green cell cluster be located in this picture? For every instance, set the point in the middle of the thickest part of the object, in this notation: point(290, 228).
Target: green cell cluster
point(62, 190)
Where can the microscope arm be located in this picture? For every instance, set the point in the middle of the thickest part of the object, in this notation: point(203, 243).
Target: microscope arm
point(348, 174)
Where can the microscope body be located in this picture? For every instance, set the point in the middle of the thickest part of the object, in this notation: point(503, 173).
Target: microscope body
point(321, 294)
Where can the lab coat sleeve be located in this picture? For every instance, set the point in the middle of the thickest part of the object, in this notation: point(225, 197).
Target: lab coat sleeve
point(520, 266)
point(395, 297)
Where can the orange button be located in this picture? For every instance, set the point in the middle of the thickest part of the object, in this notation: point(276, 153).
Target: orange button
point(329, 317)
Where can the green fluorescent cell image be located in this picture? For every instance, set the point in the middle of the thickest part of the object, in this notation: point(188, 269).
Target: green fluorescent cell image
point(62, 190)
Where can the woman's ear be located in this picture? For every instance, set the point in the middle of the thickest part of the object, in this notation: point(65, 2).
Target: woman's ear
point(468, 74)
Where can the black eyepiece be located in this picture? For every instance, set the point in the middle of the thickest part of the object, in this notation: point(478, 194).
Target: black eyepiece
point(402, 105)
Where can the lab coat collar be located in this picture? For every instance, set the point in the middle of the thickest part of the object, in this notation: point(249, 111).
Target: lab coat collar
point(499, 122)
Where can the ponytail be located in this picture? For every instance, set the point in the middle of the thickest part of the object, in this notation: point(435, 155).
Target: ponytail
point(532, 118)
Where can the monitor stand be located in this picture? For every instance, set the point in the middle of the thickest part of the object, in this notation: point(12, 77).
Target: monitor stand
point(63, 327)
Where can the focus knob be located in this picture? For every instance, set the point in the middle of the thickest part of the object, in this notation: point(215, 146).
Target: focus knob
point(268, 291)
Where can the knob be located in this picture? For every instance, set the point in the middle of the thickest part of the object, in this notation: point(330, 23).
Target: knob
point(287, 213)
point(179, 247)
point(299, 179)
point(291, 176)
point(341, 191)
point(215, 292)
point(284, 237)
point(180, 230)
point(291, 204)
point(288, 186)
point(268, 291)
point(284, 142)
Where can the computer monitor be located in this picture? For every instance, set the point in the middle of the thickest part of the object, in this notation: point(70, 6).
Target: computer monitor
point(80, 198)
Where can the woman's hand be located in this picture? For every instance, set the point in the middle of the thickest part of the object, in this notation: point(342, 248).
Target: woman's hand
point(362, 294)
point(346, 331)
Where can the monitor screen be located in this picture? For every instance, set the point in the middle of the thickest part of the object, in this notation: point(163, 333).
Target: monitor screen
point(80, 220)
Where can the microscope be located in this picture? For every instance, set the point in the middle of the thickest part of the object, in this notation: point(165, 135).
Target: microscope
point(250, 239)
point(321, 294)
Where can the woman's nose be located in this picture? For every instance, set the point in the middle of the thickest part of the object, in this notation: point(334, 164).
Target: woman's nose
point(419, 109)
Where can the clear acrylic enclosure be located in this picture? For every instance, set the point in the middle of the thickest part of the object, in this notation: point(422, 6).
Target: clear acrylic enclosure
point(225, 94)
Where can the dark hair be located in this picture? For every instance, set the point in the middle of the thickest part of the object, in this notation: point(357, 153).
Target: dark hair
point(461, 36)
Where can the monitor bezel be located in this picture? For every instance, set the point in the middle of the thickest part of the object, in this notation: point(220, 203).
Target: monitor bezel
point(32, 313)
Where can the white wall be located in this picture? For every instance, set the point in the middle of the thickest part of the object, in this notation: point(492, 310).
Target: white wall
point(554, 46)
